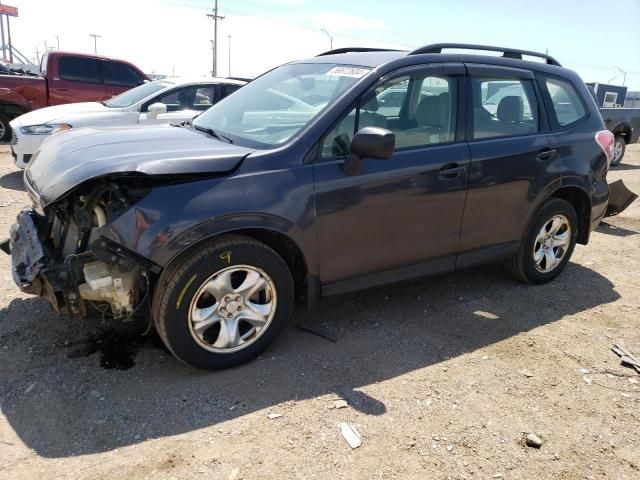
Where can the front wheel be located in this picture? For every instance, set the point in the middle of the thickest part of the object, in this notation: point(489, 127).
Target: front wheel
point(548, 243)
point(619, 146)
point(223, 304)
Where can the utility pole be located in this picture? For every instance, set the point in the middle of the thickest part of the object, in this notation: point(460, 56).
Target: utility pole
point(213, 58)
point(57, 40)
point(229, 37)
point(37, 55)
point(4, 45)
point(215, 17)
point(9, 38)
point(330, 37)
point(95, 42)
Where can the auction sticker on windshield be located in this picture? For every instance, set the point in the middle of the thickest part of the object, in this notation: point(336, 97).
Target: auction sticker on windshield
point(343, 71)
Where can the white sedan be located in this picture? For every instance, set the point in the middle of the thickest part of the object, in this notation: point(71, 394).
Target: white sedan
point(159, 102)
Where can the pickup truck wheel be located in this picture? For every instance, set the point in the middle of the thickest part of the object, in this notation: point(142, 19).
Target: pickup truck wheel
point(223, 304)
point(548, 243)
point(5, 128)
point(618, 150)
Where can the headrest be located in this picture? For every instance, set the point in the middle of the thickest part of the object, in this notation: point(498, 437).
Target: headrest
point(510, 109)
point(428, 112)
point(184, 98)
point(371, 105)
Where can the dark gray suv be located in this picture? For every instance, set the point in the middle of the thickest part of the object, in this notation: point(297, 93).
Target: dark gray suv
point(355, 168)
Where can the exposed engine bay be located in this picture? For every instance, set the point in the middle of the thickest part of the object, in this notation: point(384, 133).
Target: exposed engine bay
point(59, 255)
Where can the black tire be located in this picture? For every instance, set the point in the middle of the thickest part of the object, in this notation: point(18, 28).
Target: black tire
point(522, 265)
point(181, 281)
point(619, 143)
point(4, 122)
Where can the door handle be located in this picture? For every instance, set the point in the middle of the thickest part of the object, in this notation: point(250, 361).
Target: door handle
point(61, 89)
point(547, 154)
point(451, 170)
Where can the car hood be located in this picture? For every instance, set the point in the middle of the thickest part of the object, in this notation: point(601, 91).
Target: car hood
point(70, 158)
point(56, 113)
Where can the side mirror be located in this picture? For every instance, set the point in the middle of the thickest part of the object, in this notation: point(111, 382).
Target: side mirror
point(156, 109)
point(369, 143)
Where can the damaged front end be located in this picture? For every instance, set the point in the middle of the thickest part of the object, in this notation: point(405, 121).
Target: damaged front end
point(59, 255)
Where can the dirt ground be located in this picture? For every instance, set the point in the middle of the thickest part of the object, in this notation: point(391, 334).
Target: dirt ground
point(443, 376)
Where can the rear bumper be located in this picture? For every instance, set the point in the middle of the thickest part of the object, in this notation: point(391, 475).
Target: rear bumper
point(608, 200)
point(620, 197)
point(599, 202)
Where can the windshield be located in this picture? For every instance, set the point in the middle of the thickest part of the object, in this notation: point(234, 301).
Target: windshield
point(273, 108)
point(134, 95)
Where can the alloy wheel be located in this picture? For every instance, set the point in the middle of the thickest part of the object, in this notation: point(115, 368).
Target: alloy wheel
point(552, 242)
point(618, 148)
point(232, 309)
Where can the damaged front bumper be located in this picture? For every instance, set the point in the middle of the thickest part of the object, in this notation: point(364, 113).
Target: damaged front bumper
point(34, 272)
point(77, 285)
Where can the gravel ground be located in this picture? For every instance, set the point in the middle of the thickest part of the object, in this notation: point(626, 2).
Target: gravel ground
point(443, 376)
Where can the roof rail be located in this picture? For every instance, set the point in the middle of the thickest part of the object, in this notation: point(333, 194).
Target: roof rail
point(356, 49)
point(506, 52)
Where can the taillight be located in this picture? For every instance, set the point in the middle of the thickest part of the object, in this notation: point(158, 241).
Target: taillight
point(606, 140)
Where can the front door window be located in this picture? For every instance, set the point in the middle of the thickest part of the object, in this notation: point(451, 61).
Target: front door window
point(419, 110)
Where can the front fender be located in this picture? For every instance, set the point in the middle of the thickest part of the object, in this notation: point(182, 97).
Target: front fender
point(175, 217)
point(231, 224)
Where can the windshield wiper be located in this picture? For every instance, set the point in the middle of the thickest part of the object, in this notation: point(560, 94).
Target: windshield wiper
point(213, 133)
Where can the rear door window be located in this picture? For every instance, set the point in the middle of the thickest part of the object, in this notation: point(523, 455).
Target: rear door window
point(567, 104)
point(204, 98)
point(503, 107)
point(115, 73)
point(196, 97)
point(78, 69)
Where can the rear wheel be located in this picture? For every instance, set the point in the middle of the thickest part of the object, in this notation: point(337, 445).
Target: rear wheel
point(223, 304)
point(548, 243)
point(5, 128)
point(619, 146)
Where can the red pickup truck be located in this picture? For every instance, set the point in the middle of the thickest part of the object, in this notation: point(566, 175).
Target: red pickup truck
point(64, 78)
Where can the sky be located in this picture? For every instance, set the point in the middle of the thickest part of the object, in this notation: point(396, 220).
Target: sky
point(174, 36)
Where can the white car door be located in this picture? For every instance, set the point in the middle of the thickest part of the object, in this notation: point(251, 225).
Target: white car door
point(180, 104)
point(169, 117)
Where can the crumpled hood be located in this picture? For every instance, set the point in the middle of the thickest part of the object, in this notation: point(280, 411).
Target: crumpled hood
point(55, 113)
point(70, 158)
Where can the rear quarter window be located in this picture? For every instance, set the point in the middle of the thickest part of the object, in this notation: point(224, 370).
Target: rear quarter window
point(567, 104)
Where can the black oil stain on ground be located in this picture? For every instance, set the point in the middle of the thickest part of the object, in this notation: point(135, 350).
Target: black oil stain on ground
point(117, 350)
